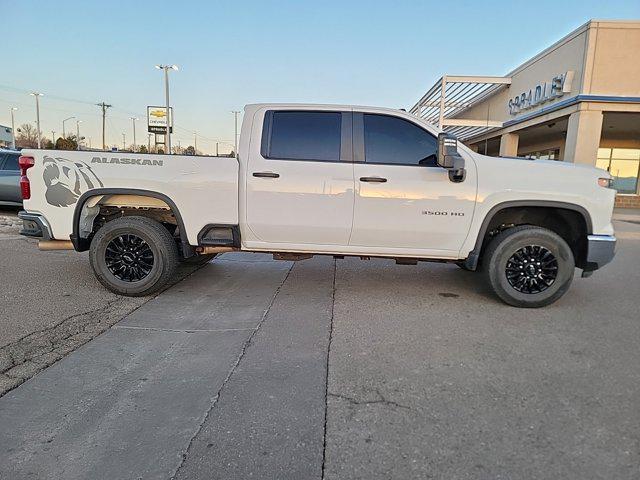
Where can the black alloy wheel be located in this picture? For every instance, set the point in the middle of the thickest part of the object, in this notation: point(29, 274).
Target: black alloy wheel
point(532, 269)
point(129, 258)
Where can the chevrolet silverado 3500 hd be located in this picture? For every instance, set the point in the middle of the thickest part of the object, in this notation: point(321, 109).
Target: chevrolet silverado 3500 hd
point(325, 179)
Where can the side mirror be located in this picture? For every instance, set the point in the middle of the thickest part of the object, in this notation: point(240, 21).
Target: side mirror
point(449, 158)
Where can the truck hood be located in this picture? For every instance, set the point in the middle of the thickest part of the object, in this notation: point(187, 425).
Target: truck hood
point(547, 165)
point(554, 163)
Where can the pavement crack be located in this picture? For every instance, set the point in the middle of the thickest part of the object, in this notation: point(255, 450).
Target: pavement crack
point(326, 380)
point(218, 394)
point(175, 330)
point(380, 400)
point(23, 358)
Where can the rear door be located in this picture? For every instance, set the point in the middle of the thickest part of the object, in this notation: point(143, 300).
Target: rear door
point(9, 178)
point(299, 178)
point(403, 199)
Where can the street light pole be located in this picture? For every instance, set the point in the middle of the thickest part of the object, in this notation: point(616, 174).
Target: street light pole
point(13, 128)
point(53, 138)
point(167, 137)
point(235, 138)
point(78, 122)
point(64, 135)
point(195, 142)
point(124, 142)
point(37, 95)
point(133, 121)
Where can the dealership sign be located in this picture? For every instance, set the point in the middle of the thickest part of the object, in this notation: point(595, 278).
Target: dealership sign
point(157, 119)
point(541, 93)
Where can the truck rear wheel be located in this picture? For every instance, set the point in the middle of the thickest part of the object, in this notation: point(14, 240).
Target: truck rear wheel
point(528, 266)
point(133, 256)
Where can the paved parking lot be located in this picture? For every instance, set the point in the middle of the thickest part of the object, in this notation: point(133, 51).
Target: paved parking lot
point(251, 368)
point(51, 304)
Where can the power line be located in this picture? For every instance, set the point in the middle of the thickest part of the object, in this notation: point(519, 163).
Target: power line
point(54, 97)
point(104, 106)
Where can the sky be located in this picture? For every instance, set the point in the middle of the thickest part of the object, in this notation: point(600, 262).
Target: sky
point(230, 53)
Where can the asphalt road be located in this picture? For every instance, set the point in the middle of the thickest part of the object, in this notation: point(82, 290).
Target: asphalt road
point(40, 289)
point(225, 376)
point(50, 302)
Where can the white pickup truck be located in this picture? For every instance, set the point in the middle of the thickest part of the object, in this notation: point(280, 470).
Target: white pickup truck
point(332, 180)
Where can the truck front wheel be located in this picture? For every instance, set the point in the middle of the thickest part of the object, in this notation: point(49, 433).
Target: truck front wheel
point(133, 256)
point(528, 266)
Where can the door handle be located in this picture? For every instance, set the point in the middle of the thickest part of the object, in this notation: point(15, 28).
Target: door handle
point(373, 179)
point(266, 174)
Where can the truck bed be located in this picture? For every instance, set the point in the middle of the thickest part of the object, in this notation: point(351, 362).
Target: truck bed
point(203, 189)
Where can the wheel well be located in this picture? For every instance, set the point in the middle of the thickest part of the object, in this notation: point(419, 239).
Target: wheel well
point(569, 224)
point(94, 211)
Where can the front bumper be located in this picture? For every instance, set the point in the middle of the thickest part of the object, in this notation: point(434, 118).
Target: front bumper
point(601, 250)
point(35, 225)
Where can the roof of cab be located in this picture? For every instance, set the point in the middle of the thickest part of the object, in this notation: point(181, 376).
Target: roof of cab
point(323, 106)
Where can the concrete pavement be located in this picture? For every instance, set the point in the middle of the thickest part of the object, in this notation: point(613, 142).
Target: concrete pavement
point(50, 304)
point(127, 404)
point(429, 377)
point(225, 376)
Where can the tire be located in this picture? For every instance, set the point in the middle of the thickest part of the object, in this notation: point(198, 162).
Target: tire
point(145, 258)
point(508, 269)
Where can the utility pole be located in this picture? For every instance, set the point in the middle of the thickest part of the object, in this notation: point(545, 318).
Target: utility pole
point(235, 138)
point(216, 149)
point(104, 114)
point(124, 142)
point(133, 121)
point(78, 122)
point(13, 128)
point(37, 95)
point(167, 138)
point(195, 142)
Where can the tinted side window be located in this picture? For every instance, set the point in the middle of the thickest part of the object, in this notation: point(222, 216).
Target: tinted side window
point(11, 162)
point(395, 140)
point(305, 136)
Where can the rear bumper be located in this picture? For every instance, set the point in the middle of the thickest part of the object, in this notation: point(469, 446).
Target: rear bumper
point(35, 225)
point(601, 250)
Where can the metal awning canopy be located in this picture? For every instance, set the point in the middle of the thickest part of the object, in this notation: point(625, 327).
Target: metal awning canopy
point(452, 95)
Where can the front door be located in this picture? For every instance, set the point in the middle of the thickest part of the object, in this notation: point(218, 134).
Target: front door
point(403, 199)
point(300, 179)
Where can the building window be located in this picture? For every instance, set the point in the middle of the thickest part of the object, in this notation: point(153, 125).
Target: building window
point(624, 166)
point(553, 154)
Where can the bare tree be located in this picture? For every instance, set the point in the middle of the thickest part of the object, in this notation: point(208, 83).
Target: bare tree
point(27, 136)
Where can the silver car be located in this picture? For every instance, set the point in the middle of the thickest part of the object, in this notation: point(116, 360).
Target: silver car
point(10, 178)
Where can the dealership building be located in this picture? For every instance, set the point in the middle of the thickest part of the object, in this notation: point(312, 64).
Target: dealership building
point(577, 101)
point(6, 136)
